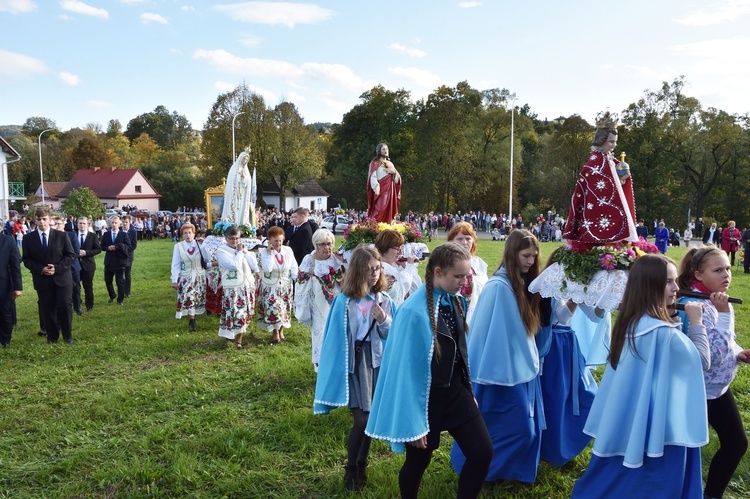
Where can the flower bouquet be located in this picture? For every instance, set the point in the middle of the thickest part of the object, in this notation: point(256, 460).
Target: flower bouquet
point(245, 230)
point(365, 232)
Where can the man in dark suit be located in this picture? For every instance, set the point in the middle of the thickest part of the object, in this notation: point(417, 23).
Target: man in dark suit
point(133, 238)
point(11, 286)
point(115, 244)
point(48, 254)
point(75, 267)
point(70, 225)
point(299, 235)
point(90, 247)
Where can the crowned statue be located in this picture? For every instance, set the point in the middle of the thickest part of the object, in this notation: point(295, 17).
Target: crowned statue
point(239, 195)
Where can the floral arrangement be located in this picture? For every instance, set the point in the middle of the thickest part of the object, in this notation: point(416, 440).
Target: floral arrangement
point(366, 231)
point(245, 230)
point(582, 260)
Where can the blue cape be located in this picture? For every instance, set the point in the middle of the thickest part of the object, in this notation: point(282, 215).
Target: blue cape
point(655, 397)
point(501, 352)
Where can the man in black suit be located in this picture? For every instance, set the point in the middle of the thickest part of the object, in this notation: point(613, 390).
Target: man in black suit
point(90, 247)
point(299, 235)
point(11, 286)
point(48, 254)
point(70, 225)
point(133, 238)
point(116, 245)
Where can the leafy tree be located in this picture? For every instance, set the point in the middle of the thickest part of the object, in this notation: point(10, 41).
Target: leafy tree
point(145, 151)
point(36, 124)
point(89, 154)
point(167, 129)
point(114, 128)
point(83, 202)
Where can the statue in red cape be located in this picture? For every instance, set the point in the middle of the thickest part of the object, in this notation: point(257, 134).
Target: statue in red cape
point(383, 187)
point(602, 209)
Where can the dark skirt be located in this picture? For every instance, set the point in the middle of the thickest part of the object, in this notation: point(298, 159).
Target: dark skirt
point(362, 381)
point(675, 475)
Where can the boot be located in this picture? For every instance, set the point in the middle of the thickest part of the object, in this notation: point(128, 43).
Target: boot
point(361, 473)
point(193, 325)
point(351, 482)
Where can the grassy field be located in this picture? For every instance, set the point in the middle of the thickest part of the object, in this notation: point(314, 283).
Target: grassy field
point(141, 407)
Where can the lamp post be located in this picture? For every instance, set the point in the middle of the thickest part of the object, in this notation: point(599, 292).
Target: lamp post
point(510, 194)
point(234, 156)
point(41, 171)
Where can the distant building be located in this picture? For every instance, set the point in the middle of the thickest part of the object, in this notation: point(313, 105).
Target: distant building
point(116, 187)
point(51, 192)
point(309, 195)
point(7, 155)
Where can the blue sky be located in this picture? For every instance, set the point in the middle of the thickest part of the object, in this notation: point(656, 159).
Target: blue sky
point(78, 62)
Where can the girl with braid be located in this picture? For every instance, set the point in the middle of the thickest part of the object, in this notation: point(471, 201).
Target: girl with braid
point(424, 385)
point(505, 363)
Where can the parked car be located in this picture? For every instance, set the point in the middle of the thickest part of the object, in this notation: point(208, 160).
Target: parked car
point(341, 223)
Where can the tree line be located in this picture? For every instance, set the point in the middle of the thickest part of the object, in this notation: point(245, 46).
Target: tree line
point(452, 149)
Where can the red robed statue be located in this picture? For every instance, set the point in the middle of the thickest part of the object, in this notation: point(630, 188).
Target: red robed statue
point(383, 187)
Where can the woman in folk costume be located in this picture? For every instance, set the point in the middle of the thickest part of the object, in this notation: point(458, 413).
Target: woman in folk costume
point(401, 272)
point(424, 386)
point(463, 234)
point(277, 274)
point(506, 327)
point(318, 282)
point(188, 276)
point(214, 290)
point(602, 209)
point(649, 416)
point(357, 326)
point(237, 266)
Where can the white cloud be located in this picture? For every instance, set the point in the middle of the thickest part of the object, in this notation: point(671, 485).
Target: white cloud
point(334, 101)
point(250, 41)
point(148, 17)
point(295, 97)
point(17, 6)
point(268, 96)
point(132, 1)
point(69, 78)
point(223, 86)
point(247, 66)
point(82, 8)
point(337, 73)
point(410, 51)
point(175, 51)
point(186, 8)
point(727, 10)
point(468, 5)
point(15, 65)
point(287, 14)
point(722, 59)
point(98, 104)
point(639, 71)
point(420, 77)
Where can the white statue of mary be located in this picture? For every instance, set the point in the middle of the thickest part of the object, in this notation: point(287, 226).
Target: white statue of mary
point(238, 208)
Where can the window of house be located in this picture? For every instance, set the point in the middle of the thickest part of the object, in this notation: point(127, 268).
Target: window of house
point(138, 189)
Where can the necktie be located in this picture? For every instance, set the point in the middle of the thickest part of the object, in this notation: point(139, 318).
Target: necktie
point(82, 238)
point(44, 241)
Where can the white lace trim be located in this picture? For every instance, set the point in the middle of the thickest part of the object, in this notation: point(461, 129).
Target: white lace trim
point(604, 291)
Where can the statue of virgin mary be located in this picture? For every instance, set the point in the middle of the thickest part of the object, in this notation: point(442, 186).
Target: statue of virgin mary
point(238, 207)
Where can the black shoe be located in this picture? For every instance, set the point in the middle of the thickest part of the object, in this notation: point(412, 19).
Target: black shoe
point(122, 304)
point(362, 473)
point(193, 325)
point(110, 300)
point(5, 345)
point(351, 484)
point(89, 309)
point(79, 312)
point(41, 333)
point(69, 341)
point(127, 295)
point(49, 342)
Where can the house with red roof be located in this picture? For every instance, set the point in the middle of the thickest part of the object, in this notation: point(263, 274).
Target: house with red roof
point(116, 187)
point(50, 191)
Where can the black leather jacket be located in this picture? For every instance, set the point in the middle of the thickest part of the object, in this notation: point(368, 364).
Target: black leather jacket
point(444, 365)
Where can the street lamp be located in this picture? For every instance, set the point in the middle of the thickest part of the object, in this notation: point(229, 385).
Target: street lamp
point(510, 195)
point(41, 172)
point(234, 156)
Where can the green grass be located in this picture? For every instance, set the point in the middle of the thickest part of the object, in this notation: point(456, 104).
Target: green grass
point(140, 406)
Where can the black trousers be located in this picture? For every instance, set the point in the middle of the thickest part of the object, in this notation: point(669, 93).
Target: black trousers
point(724, 417)
point(87, 282)
point(128, 270)
point(76, 292)
point(118, 274)
point(55, 311)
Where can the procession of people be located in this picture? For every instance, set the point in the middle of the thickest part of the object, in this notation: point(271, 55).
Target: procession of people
point(468, 350)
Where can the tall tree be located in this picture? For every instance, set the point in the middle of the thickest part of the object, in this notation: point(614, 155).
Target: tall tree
point(167, 129)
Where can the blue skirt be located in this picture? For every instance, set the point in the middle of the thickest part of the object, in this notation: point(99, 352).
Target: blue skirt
point(514, 416)
point(568, 390)
point(675, 475)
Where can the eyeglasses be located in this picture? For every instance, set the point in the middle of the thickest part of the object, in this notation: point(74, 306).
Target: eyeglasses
point(324, 244)
point(398, 249)
point(375, 271)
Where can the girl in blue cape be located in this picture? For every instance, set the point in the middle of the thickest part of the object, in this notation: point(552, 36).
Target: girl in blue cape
point(424, 385)
point(355, 333)
point(649, 416)
point(505, 363)
point(707, 270)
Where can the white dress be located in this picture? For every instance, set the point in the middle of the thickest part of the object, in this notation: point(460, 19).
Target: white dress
point(402, 281)
point(474, 284)
point(238, 295)
point(277, 273)
point(188, 274)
